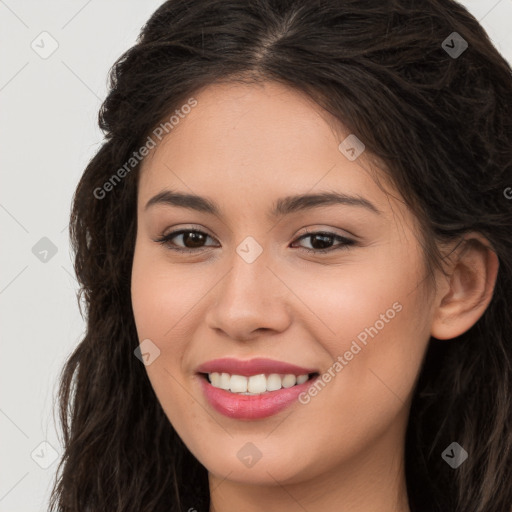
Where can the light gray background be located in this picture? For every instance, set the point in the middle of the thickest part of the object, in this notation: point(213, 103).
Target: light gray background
point(48, 134)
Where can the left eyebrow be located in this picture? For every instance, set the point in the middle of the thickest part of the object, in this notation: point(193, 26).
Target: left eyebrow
point(283, 206)
point(290, 204)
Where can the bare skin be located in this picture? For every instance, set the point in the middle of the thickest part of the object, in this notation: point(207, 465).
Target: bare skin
point(244, 147)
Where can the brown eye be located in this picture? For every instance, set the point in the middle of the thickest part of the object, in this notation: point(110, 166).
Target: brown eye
point(321, 242)
point(191, 240)
point(194, 238)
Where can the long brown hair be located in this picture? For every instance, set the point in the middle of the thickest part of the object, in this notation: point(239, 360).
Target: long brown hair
point(442, 124)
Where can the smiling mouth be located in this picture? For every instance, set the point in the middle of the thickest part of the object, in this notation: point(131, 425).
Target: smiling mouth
point(259, 384)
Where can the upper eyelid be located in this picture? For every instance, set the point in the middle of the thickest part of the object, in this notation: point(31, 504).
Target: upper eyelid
point(317, 231)
point(309, 232)
point(336, 236)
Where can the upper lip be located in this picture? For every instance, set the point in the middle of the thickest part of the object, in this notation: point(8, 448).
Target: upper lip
point(251, 367)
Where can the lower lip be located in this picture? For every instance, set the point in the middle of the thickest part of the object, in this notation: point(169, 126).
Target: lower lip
point(252, 407)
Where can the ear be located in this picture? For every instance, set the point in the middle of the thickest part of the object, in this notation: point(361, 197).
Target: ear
point(463, 295)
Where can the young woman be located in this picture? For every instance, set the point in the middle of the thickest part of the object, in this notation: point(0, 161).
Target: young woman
point(294, 248)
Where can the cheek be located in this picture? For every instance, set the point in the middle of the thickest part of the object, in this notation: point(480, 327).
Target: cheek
point(166, 302)
point(375, 318)
point(162, 299)
point(163, 295)
point(157, 309)
point(365, 297)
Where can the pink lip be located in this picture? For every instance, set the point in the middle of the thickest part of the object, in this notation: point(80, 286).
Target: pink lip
point(251, 367)
point(247, 407)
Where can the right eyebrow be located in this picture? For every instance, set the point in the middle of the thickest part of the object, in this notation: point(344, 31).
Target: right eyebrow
point(183, 200)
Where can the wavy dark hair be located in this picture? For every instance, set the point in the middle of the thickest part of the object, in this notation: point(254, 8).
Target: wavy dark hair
point(441, 124)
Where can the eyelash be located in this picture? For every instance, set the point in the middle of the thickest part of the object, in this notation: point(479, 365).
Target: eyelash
point(345, 242)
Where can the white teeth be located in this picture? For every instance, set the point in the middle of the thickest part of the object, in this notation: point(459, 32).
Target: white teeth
point(302, 378)
point(273, 382)
point(215, 379)
point(238, 384)
point(289, 381)
point(220, 380)
point(224, 381)
point(255, 384)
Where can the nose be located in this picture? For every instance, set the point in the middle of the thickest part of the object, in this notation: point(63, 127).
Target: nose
point(249, 301)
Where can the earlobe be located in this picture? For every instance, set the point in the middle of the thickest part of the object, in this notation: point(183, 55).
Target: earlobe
point(467, 290)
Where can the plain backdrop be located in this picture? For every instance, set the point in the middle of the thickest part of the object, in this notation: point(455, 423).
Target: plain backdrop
point(49, 104)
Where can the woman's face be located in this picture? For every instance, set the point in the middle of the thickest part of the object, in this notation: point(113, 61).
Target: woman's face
point(355, 319)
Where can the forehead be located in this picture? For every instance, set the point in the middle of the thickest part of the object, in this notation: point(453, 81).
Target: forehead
point(263, 140)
